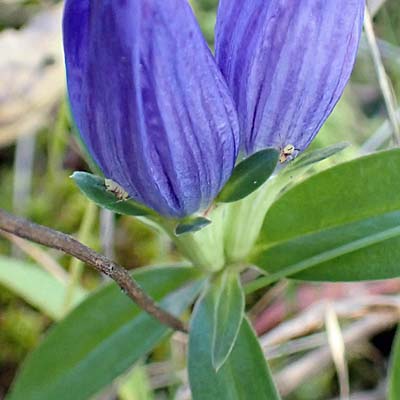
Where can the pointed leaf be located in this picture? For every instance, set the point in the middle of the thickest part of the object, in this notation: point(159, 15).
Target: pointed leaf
point(244, 376)
point(339, 225)
point(192, 225)
point(365, 250)
point(95, 189)
point(101, 338)
point(36, 286)
point(249, 175)
point(229, 313)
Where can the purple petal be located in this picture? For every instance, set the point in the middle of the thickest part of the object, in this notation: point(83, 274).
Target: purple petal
point(150, 101)
point(287, 63)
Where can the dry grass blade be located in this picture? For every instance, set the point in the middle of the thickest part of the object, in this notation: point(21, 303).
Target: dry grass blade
point(384, 81)
point(375, 5)
point(378, 139)
point(302, 370)
point(43, 259)
point(338, 351)
point(312, 319)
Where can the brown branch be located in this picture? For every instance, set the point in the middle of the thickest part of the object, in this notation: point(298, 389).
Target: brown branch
point(60, 241)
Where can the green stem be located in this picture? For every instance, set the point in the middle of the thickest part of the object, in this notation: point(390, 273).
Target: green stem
point(76, 266)
point(203, 248)
point(245, 219)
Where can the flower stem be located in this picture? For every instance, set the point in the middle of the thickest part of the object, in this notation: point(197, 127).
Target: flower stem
point(204, 249)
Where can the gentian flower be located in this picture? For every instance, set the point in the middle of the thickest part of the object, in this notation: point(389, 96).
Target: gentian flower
point(150, 101)
point(287, 63)
point(165, 119)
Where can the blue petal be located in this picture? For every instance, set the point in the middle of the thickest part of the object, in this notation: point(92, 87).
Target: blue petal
point(287, 63)
point(149, 101)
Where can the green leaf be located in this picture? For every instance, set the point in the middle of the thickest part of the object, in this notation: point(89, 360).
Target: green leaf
point(94, 188)
point(339, 225)
point(229, 312)
point(362, 188)
point(36, 286)
point(249, 175)
point(102, 338)
point(314, 156)
point(244, 376)
point(394, 376)
point(364, 250)
point(192, 225)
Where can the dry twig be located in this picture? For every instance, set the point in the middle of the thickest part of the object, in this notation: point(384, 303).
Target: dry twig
point(60, 241)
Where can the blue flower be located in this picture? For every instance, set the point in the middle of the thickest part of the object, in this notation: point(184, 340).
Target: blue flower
point(150, 101)
point(287, 63)
point(165, 119)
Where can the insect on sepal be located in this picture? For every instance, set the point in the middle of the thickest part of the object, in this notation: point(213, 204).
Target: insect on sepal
point(94, 188)
point(288, 153)
point(116, 189)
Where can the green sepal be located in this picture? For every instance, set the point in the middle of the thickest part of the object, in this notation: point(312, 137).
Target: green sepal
point(94, 188)
point(191, 225)
point(249, 175)
point(312, 157)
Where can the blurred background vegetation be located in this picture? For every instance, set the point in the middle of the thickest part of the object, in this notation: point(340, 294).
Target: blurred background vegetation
point(39, 151)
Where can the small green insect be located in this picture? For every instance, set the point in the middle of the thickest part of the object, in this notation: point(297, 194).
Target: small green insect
point(287, 153)
point(116, 190)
